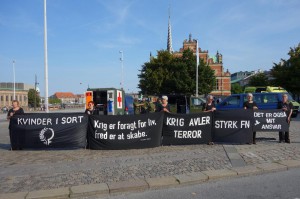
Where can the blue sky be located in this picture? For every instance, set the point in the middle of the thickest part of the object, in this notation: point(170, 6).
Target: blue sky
point(85, 37)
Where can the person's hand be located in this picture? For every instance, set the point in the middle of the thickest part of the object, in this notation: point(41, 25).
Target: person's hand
point(166, 110)
point(213, 109)
point(11, 114)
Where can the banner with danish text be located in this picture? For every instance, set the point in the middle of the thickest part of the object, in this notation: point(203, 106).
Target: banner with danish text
point(181, 129)
point(233, 126)
point(125, 131)
point(270, 120)
point(48, 130)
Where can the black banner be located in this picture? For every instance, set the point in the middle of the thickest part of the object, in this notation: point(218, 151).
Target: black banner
point(179, 129)
point(270, 120)
point(125, 131)
point(234, 126)
point(48, 130)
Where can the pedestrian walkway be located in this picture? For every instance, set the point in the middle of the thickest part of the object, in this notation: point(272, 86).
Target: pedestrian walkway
point(79, 173)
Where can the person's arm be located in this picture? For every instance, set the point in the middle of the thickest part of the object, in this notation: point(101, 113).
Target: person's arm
point(245, 105)
point(291, 111)
point(255, 105)
point(9, 114)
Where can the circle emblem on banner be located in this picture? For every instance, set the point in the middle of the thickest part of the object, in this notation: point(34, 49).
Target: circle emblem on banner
point(46, 135)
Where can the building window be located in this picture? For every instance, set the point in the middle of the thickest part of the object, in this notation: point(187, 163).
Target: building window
point(7, 98)
point(217, 84)
point(2, 98)
point(11, 98)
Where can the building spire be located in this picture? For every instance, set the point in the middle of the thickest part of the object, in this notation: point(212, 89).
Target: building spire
point(169, 43)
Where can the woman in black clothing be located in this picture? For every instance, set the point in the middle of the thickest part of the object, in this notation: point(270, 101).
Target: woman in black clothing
point(250, 104)
point(91, 108)
point(287, 107)
point(15, 110)
point(209, 106)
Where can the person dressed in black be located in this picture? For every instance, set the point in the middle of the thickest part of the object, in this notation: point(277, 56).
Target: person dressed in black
point(164, 106)
point(15, 110)
point(209, 106)
point(287, 107)
point(91, 108)
point(250, 104)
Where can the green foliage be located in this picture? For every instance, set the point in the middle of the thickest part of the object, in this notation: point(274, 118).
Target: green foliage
point(31, 98)
point(54, 101)
point(287, 73)
point(259, 79)
point(169, 74)
point(236, 88)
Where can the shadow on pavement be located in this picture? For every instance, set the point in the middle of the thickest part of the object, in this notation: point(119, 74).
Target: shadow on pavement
point(4, 146)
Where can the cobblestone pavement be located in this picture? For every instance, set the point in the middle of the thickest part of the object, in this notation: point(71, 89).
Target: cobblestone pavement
point(30, 170)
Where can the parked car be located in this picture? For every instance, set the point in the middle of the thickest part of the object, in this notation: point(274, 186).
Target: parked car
point(263, 101)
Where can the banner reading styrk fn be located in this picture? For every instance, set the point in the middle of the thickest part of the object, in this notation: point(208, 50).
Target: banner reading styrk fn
point(49, 130)
point(179, 129)
point(125, 131)
point(233, 126)
point(270, 120)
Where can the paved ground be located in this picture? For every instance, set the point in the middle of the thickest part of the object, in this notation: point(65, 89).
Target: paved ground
point(31, 170)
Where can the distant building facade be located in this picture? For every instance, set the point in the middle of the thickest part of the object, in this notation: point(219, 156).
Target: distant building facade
point(243, 77)
point(223, 79)
point(7, 93)
point(65, 97)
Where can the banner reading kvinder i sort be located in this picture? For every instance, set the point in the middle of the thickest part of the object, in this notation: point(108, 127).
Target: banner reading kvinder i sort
point(48, 130)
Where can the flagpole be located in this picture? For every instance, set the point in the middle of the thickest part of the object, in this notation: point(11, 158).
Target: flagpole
point(46, 58)
point(197, 65)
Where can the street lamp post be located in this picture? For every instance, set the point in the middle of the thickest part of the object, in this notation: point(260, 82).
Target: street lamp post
point(197, 66)
point(14, 80)
point(46, 57)
point(121, 59)
point(35, 93)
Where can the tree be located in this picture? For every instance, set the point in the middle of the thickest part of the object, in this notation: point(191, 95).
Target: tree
point(259, 79)
point(236, 88)
point(168, 74)
point(33, 97)
point(54, 101)
point(287, 72)
point(207, 79)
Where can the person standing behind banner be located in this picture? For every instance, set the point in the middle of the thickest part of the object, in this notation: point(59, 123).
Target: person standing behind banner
point(137, 106)
point(164, 106)
point(287, 107)
point(250, 104)
point(91, 109)
point(15, 110)
point(209, 106)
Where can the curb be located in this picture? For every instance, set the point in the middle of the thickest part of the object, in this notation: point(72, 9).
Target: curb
point(113, 188)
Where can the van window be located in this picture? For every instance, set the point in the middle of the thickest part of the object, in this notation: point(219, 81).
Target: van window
point(256, 98)
point(233, 100)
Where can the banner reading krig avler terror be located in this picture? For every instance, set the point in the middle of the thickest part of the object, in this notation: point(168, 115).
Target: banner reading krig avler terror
point(48, 130)
point(270, 120)
point(125, 131)
point(179, 129)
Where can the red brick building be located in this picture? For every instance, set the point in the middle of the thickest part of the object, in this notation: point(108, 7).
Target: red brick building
point(223, 86)
point(65, 97)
